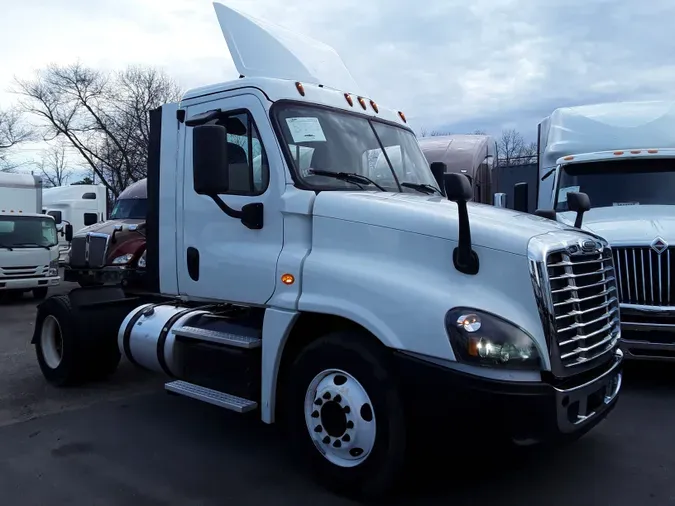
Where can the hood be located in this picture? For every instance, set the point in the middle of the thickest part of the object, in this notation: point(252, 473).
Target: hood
point(628, 224)
point(107, 227)
point(491, 227)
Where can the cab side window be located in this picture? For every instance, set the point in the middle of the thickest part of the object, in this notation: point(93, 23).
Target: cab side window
point(248, 165)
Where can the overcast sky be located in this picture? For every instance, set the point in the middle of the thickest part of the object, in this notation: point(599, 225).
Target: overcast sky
point(455, 66)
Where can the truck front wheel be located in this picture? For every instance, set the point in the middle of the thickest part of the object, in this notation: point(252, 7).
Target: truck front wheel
point(346, 416)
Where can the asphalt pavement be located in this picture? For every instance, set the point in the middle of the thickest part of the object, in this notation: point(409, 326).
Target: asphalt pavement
point(125, 442)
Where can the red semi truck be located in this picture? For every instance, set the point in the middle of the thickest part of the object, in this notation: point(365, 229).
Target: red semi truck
point(112, 251)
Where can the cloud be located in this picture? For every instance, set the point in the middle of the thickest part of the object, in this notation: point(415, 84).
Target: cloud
point(447, 64)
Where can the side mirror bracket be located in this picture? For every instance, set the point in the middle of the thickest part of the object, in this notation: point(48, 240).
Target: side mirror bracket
point(458, 189)
point(438, 169)
point(580, 203)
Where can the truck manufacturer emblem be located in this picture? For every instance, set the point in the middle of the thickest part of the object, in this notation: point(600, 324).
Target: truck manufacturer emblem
point(659, 245)
point(588, 245)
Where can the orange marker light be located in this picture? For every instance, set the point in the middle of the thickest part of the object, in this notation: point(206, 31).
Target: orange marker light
point(362, 102)
point(287, 279)
point(618, 153)
point(301, 88)
point(402, 116)
point(349, 100)
point(568, 158)
point(652, 151)
point(374, 106)
point(636, 151)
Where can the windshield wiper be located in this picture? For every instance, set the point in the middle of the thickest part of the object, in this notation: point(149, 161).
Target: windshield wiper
point(350, 177)
point(6, 247)
point(33, 244)
point(423, 188)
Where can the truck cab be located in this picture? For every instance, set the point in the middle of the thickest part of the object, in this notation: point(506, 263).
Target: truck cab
point(112, 251)
point(289, 281)
point(29, 249)
point(622, 155)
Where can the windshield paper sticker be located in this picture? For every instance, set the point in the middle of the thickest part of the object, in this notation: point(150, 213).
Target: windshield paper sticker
point(625, 203)
point(305, 129)
point(562, 194)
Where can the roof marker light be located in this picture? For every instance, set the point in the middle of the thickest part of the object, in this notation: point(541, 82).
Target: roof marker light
point(362, 101)
point(402, 116)
point(652, 151)
point(636, 152)
point(301, 88)
point(617, 153)
point(374, 106)
point(568, 158)
point(349, 100)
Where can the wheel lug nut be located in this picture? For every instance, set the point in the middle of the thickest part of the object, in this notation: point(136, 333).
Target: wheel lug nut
point(318, 428)
point(346, 438)
point(315, 414)
point(318, 402)
point(326, 395)
point(326, 440)
point(337, 443)
point(350, 424)
point(338, 398)
point(347, 409)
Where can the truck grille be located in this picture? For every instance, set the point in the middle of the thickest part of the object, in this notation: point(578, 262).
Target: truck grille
point(585, 307)
point(645, 277)
point(28, 271)
point(89, 251)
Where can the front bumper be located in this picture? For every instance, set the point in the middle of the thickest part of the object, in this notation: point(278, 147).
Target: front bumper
point(525, 412)
point(29, 283)
point(648, 332)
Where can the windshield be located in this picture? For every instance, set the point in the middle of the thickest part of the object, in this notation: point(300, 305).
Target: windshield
point(619, 183)
point(129, 209)
point(27, 231)
point(334, 141)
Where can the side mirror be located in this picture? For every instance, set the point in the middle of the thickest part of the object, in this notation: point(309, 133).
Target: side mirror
point(69, 232)
point(438, 170)
point(210, 169)
point(57, 215)
point(499, 200)
point(546, 213)
point(458, 189)
point(520, 197)
point(580, 203)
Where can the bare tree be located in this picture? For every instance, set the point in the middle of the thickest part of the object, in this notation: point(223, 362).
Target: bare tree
point(54, 167)
point(103, 116)
point(12, 132)
point(510, 145)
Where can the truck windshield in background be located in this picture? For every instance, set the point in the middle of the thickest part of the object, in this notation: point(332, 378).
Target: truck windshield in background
point(619, 182)
point(27, 232)
point(334, 141)
point(129, 209)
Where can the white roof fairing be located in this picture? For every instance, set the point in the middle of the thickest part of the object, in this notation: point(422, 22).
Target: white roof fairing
point(607, 127)
point(262, 49)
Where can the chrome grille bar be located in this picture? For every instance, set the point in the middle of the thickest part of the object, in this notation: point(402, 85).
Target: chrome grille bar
point(645, 277)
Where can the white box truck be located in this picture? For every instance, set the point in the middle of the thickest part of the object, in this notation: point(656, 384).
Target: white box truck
point(357, 313)
point(29, 253)
point(622, 155)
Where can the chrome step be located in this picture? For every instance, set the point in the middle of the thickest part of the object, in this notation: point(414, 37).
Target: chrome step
point(215, 336)
point(221, 399)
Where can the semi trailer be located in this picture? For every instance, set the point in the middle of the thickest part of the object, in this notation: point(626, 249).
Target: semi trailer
point(622, 155)
point(312, 295)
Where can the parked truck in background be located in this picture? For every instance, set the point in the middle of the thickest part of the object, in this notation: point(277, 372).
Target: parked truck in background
point(112, 251)
point(622, 155)
point(475, 156)
point(29, 252)
point(79, 205)
point(355, 312)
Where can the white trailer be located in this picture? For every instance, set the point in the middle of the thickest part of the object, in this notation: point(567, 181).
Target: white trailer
point(79, 205)
point(28, 241)
point(622, 155)
point(355, 313)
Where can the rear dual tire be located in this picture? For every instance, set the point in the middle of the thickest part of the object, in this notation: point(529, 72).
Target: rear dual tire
point(345, 416)
point(66, 355)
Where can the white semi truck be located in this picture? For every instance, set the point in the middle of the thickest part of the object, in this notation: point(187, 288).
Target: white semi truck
point(29, 252)
point(353, 312)
point(79, 205)
point(622, 155)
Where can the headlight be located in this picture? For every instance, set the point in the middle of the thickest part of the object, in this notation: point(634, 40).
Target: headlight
point(141, 261)
point(54, 267)
point(484, 339)
point(123, 259)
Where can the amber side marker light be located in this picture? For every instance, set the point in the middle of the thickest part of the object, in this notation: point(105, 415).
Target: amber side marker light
point(374, 106)
point(362, 101)
point(568, 158)
point(300, 88)
point(287, 279)
point(617, 153)
point(652, 151)
point(402, 116)
point(349, 100)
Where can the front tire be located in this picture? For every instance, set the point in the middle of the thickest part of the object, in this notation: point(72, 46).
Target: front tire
point(345, 415)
